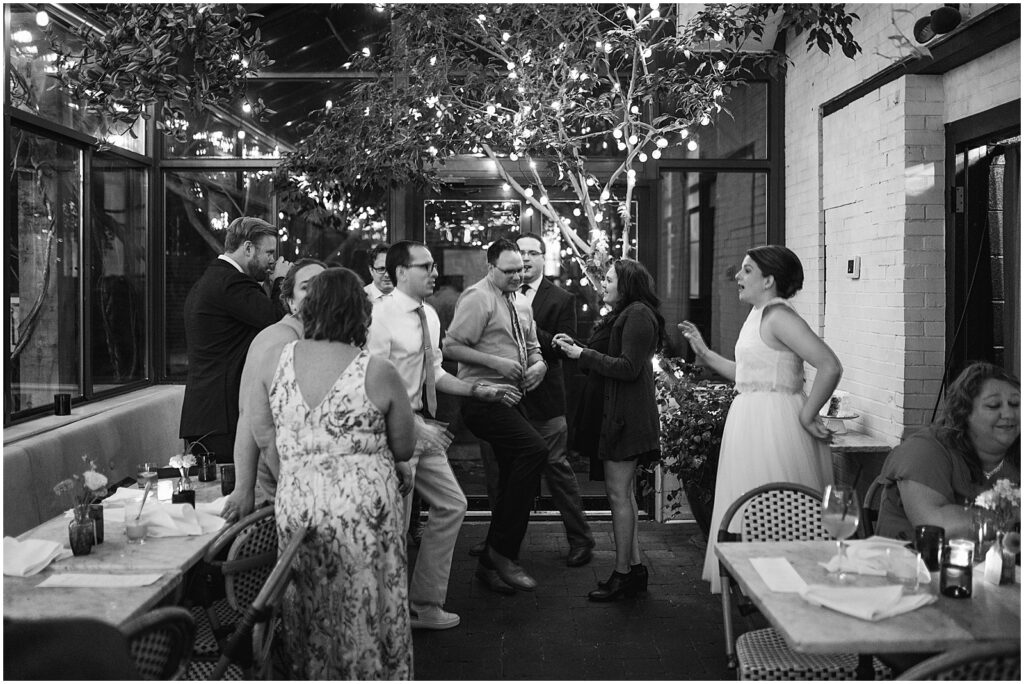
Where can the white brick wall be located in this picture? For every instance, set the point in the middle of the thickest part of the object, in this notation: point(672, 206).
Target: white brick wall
point(877, 193)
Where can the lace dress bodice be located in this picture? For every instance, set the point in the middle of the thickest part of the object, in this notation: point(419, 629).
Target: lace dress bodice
point(759, 368)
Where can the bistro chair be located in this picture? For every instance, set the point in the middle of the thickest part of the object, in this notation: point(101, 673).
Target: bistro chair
point(251, 550)
point(160, 642)
point(248, 652)
point(997, 661)
point(869, 511)
point(778, 511)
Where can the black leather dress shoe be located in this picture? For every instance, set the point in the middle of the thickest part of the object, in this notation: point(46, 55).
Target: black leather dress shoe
point(477, 550)
point(490, 579)
point(579, 556)
point(510, 571)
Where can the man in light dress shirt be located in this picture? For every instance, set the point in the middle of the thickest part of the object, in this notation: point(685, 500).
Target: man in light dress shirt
point(382, 285)
point(396, 333)
point(493, 340)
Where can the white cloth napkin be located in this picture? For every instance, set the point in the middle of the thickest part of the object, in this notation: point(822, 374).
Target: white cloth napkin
point(125, 494)
point(102, 580)
point(866, 603)
point(26, 558)
point(867, 557)
point(178, 520)
point(779, 575)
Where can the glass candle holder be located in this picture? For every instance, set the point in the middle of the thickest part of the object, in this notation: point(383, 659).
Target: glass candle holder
point(956, 575)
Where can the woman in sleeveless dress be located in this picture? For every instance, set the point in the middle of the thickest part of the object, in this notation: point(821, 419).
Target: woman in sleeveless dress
point(342, 419)
point(773, 432)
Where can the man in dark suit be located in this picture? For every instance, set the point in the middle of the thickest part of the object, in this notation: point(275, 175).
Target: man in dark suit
point(554, 311)
point(224, 311)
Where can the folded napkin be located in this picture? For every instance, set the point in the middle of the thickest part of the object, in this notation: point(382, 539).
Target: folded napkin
point(102, 580)
point(178, 520)
point(26, 558)
point(867, 557)
point(214, 507)
point(779, 575)
point(125, 494)
point(866, 603)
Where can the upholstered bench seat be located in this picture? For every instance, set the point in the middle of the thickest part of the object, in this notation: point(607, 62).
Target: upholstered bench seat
point(118, 433)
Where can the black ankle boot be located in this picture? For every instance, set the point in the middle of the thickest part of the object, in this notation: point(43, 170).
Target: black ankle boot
point(618, 584)
point(640, 570)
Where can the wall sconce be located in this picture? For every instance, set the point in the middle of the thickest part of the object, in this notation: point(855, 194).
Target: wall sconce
point(941, 20)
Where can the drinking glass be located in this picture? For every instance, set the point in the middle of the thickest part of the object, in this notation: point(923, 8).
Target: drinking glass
point(902, 566)
point(147, 472)
point(840, 515)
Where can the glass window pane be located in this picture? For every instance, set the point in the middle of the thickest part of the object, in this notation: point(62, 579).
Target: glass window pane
point(739, 133)
point(119, 278)
point(457, 232)
point(199, 206)
point(43, 265)
point(214, 136)
point(33, 89)
point(709, 220)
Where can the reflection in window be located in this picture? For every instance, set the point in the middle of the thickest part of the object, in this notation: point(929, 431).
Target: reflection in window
point(708, 221)
point(740, 134)
point(119, 277)
point(199, 207)
point(214, 136)
point(457, 232)
point(43, 258)
point(32, 89)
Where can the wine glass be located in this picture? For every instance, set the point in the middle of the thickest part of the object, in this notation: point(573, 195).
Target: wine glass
point(840, 515)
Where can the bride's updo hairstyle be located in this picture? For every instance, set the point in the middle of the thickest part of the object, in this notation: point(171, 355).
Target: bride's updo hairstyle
point(780, 262)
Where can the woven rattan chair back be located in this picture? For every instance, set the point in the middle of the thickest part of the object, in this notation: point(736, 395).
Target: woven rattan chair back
point(869, 511)
point(160, 642)
point(250, 560)
point(779, 511)
point(993, 662)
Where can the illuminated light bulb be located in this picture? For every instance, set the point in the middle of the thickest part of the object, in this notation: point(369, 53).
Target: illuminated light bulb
point(655, 5)
point(481, 18)
point(661, 143)
point(280, 216)
point(556, 105)
point(683, 133)
point(505, 36)
point(718, 36)
point(576, 211)
point(246, 107)
point(720, 65)
point(327, 105)
point(607, 47)
point(510, 66)
point(718, 92)
point(598, 216)
point(513, 76)
point(513, 156)
point(634, 109)
point(521, 89)
point(591, 182)
point(704, 120)
point(598, 44)
point(686, 53)
point(655, 14)
point(616, 87)
point(574, 74)
point(543, 199)
point(433, 61)
point(642, 157)
point(604, 145)
point(529, 192)
point(605, 195)
point(621, 146)
point(630, 12)
point(656, 154)
point(528, 212)
point(366, 52)
point(235, 56)
point(42, 18)
point(631, 173)
point(432, 150)
point(617, 133)
point(647, 53)
point(505, 186)
point(241, 135)
point(491, 109)
point(633, 140)
point(692, 145)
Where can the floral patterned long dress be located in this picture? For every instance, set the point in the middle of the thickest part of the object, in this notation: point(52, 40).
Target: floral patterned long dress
point(346, 615)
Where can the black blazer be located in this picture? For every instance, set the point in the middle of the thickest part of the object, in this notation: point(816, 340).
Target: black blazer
point(224, 311)
point(554, 310)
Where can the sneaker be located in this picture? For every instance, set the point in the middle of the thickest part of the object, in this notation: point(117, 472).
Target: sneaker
point(432, 617)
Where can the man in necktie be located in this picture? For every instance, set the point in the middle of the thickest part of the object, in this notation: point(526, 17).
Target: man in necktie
point(406, 331)
point(494, 340)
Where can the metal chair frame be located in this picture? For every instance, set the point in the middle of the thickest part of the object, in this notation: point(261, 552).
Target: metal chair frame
point(869, 511)
point(160, 642)
point(994, 661)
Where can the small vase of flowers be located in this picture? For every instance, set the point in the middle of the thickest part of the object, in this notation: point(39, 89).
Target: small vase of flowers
point(85, 492)
point(184, 493)
point(1001, 505)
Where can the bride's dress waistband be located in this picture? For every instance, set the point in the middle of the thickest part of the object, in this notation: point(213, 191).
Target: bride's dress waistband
point(749, 387)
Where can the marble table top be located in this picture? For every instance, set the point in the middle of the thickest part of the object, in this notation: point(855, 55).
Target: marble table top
point(170, 556)
point(991, 614)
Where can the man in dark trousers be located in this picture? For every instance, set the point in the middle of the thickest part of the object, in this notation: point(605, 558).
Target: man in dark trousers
point(224, 311)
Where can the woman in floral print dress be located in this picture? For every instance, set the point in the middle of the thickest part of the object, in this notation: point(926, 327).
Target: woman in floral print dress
point(342, 419)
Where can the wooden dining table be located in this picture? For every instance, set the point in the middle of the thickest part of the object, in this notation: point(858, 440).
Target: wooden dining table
point(170, 557)
point(991, 614)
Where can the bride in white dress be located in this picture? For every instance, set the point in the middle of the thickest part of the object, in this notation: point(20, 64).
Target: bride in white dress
point(773, 432)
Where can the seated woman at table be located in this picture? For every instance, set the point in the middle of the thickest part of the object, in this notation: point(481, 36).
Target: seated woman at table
point(342, 419)
point(931, 476)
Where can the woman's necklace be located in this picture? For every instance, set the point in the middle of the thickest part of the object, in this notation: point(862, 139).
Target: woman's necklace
point(990, 473)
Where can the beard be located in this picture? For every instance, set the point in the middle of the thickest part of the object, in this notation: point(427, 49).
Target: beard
point(256, 271)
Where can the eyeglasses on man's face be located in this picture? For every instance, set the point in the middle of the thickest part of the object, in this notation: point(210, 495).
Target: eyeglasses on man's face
point(428, 266)
point(511, 271)
point(532, 254)
point(379, 271)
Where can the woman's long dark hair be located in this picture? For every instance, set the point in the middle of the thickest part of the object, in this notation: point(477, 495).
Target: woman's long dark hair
point(952, 425)
point(635, 285)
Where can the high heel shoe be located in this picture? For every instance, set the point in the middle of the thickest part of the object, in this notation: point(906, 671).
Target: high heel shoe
point(640, 570)
point(618, 584)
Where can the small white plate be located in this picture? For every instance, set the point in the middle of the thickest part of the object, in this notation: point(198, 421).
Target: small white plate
point(844, 416)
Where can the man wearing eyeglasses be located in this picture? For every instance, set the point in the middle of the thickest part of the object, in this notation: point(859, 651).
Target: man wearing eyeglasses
point(406, 331)
point(494, 340)
point(381, 285)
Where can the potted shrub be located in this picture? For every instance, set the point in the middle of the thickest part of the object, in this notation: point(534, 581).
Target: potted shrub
point(692, 412)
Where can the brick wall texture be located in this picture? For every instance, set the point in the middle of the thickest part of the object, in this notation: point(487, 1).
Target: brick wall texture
point(867, 181)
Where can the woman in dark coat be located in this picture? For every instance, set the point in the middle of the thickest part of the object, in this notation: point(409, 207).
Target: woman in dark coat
point(618, 360)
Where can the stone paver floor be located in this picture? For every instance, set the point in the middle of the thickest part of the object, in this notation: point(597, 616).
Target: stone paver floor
point(555, 633)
